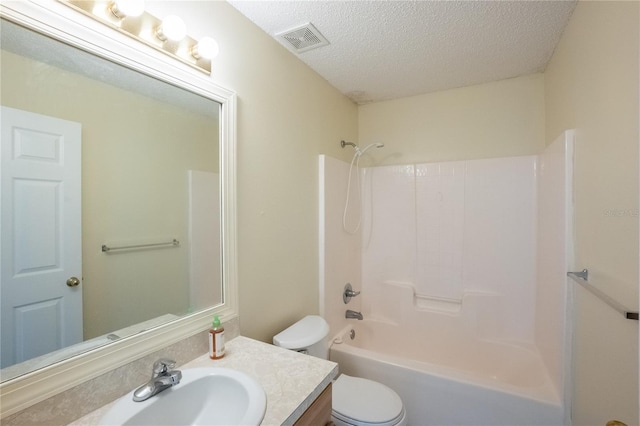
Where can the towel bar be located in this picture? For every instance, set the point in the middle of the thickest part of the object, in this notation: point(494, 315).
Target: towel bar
point(173, 242)
point(582, 278)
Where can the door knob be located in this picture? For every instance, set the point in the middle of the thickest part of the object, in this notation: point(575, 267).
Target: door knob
point(73, 282)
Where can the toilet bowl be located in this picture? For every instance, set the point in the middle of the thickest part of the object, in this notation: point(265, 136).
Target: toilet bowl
point(355, 401)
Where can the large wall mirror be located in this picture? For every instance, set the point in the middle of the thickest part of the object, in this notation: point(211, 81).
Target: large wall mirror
point(117, 204)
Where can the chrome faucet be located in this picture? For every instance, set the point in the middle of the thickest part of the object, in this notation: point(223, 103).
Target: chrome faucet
point(162, 377)
point(353, 314)
point(348, 293)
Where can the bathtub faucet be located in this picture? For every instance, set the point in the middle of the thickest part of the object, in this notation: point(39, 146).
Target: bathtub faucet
point(353, 314)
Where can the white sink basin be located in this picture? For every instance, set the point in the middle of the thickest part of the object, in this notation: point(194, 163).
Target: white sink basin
point(204, 396)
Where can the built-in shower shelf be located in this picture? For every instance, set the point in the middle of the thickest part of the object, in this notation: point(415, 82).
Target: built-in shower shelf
point(437, 304)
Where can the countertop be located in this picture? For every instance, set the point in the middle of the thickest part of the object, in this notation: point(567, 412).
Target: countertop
point(292, 381)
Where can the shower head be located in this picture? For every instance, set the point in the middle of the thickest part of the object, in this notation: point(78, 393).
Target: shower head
point(362, 151)
point(355, 160)
point(359, 151)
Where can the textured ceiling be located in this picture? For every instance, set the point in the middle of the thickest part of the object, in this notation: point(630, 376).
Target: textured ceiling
point(383, 50)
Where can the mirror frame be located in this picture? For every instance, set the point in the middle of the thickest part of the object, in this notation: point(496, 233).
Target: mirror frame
point(58, 21)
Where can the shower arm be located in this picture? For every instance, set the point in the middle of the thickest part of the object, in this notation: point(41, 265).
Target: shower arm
point(359, 151)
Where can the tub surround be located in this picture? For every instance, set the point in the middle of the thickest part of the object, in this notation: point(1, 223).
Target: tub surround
point(450, 228)
point(449, 253)
point(292, 381)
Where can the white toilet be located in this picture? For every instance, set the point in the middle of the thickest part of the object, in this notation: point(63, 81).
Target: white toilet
point(355, 401)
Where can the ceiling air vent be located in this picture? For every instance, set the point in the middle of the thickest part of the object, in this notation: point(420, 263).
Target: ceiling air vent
point(303, 38)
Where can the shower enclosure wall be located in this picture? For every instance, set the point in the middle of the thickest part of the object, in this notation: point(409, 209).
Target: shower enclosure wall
point(453, 257)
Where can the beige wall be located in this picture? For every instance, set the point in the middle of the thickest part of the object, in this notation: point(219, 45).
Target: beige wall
point(591, 84)
point(125, 197)
point(498, 119)
point(287, 115)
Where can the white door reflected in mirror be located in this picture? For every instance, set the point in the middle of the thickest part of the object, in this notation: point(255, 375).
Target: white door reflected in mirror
point(40, 227)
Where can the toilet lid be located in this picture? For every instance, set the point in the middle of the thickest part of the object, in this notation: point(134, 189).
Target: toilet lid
point(306, 332)
point(357, 401)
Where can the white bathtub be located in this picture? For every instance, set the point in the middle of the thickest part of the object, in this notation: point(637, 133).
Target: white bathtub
point(452, 380)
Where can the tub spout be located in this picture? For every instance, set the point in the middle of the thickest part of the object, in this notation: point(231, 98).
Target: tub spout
point(353, 314)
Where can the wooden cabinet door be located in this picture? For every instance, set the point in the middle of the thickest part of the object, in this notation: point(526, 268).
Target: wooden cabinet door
point(318, 413)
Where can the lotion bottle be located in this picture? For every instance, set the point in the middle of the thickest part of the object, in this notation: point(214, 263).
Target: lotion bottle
point(216, 339)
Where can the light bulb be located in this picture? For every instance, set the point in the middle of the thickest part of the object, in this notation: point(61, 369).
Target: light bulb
point(206, 48)
point(124, 8)
point(172, 28)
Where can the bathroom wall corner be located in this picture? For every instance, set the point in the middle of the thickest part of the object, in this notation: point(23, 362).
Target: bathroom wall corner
point(339, 251)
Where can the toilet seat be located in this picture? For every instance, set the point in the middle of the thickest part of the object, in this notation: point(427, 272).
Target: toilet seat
point(361, 402)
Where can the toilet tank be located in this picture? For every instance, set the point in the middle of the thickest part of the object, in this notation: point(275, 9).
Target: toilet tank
point(309, 335)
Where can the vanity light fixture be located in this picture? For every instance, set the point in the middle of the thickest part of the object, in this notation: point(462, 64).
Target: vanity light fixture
point(172, 28)
point(168, 35)
point(206, 48)
point(126, 8)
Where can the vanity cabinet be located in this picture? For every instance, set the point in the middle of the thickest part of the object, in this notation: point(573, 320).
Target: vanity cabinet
point(319, 412)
